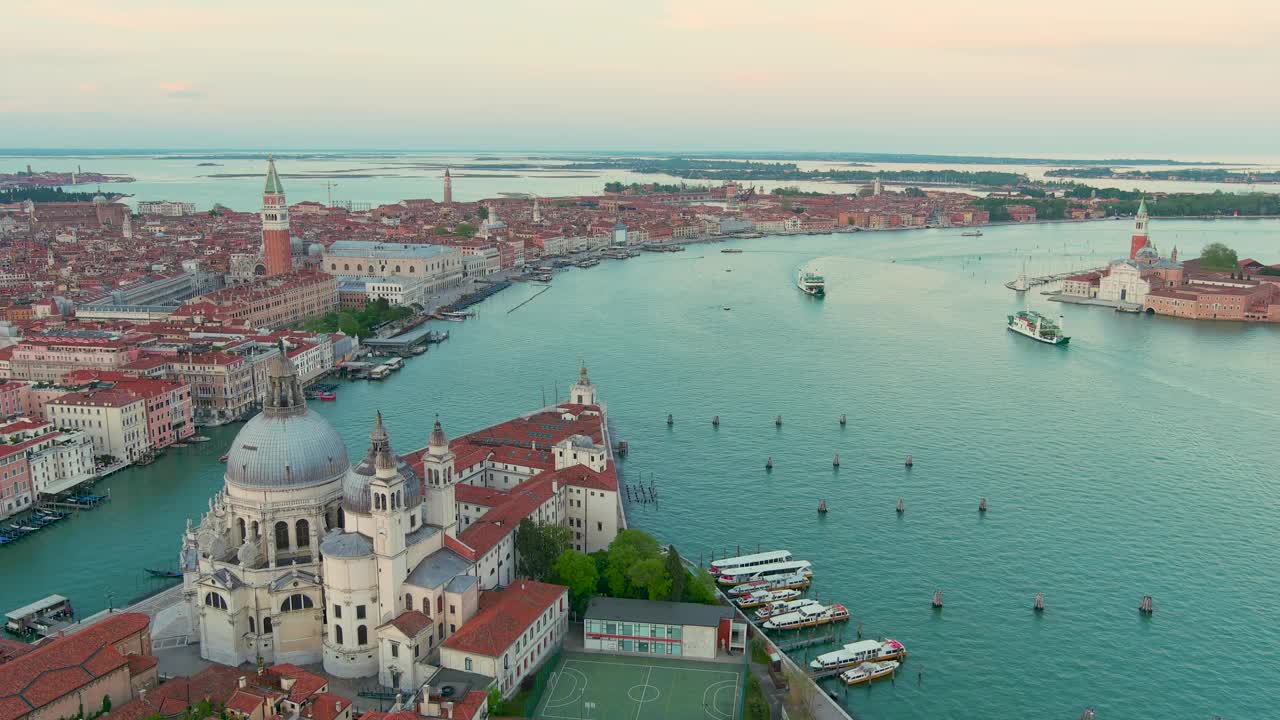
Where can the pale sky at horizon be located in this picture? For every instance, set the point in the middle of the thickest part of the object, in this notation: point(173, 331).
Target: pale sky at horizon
point(1089, 77)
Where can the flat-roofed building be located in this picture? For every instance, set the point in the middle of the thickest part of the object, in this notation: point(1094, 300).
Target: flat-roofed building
point(649, 627)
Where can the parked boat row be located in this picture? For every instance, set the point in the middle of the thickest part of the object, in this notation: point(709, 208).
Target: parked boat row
point(36, 521)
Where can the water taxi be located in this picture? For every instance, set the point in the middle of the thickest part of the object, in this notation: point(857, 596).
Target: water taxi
point(783, 607)
point(765, 597)
point(867, 672)
point(1038, 327)
point(811, 283)
point(807, 616)
point(971, 233)
point(771, 571)
point(859, 652)
point(753, 560)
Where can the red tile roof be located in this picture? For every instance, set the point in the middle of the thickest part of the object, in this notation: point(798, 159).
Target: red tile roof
point(325, 706)
point(504, 615)
point(66, 664)
point(305, 683)
point(411, 622)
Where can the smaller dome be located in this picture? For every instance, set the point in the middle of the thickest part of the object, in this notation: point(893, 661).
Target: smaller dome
point(315, 250)
point(99, 199)
point(1146, 251)
point(355, 487)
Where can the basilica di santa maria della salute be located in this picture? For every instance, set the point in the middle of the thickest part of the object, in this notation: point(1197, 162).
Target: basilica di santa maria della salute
point(398, 565)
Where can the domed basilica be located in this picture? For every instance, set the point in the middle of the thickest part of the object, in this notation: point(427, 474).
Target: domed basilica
point(386, 567)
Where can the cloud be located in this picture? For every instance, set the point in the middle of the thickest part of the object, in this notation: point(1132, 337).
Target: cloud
point(181, 89)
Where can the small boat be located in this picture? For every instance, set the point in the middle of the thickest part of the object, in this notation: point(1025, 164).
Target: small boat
point(222, 458)
point(867, 672)
point(765, 597)
point(328, 396)
point(822, 507)
point(163, 573)
point(726, 307)
point(731, 251)
point(811, 283)
point(1038, 327)
point(797, 581)
point(971, 233)
point(784, 607)
point(856, 653)
point(807, 616)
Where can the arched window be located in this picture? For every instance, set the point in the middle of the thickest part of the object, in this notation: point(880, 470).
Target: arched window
point(397, 269)
point(362, 635)
point(408, 601)
point(359, 268)
point(345, 266)
point(255, 528)
point(342, 519)
point(296, 602)
point(303, 533)
point(426, 606)
point(253, 625)
point(266, 626)
point(333, 266)
point(214, 600)
point(282, 535)
point(466, 663)
point(240, 524)
point(337, 634)
point(440, 603)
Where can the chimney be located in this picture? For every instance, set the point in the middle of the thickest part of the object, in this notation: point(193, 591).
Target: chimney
point(337, 706)
point(242, 682)
point(448, 710)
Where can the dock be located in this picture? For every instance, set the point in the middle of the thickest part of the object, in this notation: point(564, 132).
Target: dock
point(1025, 283)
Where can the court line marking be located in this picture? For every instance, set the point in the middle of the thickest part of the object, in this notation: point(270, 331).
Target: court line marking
point(640, 703)
point(737, 677)
point(575, 694)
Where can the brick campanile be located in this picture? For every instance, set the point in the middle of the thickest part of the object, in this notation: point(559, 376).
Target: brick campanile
point(1139, 239)
point(276, 254)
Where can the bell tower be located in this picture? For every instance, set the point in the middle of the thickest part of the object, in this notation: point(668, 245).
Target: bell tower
point(439, 480)
point(389, 506)
point(583, 392)
point(1140, 238)
point(277, 255)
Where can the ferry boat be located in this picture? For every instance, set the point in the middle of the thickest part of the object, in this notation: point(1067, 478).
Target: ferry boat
point(866, 672)
point(811, 283)
point(1038, 327)
point(753, 560)
point(807, 616)
point(971, 233)
point(784, 607)
point(771, 571)
point(764, 597)
point(859, 652)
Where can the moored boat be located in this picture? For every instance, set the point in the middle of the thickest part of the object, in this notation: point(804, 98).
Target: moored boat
point(856, 653)
point(971, 233)
point(765, 597)
point(770, 571)
point(731, 250)
point(752, 560)
point(798, 581)
point(783, 607)
point(1038, 327)
point(811, 283)
point(807, 616)
point(866, 672)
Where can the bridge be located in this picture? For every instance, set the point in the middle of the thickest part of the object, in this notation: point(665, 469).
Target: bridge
point(1025, 283)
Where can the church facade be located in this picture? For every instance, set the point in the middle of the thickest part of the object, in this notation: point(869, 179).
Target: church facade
point(370, 568)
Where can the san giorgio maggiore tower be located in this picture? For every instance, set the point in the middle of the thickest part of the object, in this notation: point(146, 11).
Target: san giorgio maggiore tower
point(276, 254)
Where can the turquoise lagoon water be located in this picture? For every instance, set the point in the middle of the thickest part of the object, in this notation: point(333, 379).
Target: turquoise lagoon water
point(1140, 460)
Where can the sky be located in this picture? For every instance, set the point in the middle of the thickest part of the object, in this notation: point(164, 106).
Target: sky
point(1173, 78)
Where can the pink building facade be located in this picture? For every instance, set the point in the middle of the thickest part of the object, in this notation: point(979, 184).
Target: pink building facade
point(16, 493)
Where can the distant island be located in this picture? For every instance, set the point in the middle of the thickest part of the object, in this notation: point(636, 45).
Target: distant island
point(1185, 175)
point(862, 157)
point(46, 194)
point(47, 178)
point(748, 170)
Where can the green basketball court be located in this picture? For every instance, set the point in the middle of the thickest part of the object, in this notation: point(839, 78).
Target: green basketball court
point(623, 687)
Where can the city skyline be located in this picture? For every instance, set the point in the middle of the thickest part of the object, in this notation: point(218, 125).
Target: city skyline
point(1085, 79)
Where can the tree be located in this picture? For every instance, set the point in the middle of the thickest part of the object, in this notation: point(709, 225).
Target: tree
point(1217, 256)
point(627, 549)
point(675, 569)
point(579, 572)
point(538, 546)
point(495, 700)
point(651, 576)
point(913, 192)
point(439, 230)
point(701, 589)
point(464, 229)
point(483, 212)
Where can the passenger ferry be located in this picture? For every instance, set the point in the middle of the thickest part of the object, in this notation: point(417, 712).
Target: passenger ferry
point(798, 581)
point(807, 616)
point(770, 571)
point(860, 652)
point(811, 283)
point(733, 563)
point(866, 672)
point(394, 363)
point(764, 597)
point(379, 373)
point(1038, 327)
point(784, 607)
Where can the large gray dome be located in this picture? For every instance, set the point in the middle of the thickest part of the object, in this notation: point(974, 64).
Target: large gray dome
point(286, 452)
point(287, 446)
